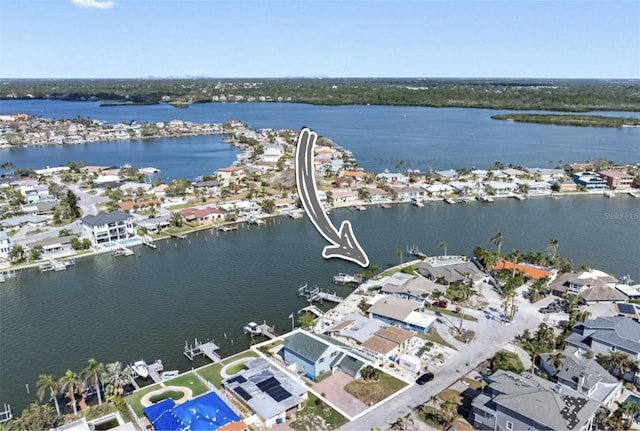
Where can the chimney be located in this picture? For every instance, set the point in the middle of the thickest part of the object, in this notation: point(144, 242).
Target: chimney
point(581, 378)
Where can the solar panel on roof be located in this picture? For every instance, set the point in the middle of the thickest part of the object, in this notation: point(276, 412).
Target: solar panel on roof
point(265, 385)
point(278, 393)
point(243, 393)
point(239, 379)
point(626, 308)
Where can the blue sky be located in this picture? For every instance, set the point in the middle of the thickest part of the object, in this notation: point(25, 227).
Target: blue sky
point(268, 38)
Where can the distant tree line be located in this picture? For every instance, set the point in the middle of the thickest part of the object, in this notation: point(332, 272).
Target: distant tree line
point(558, 95)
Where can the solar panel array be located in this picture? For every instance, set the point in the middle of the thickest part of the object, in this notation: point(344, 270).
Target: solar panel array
point(243, 393)
point(627, 308)
point(274, 389)
point(239, 379)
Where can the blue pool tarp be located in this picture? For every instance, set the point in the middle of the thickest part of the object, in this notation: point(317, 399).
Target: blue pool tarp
point(207, 412)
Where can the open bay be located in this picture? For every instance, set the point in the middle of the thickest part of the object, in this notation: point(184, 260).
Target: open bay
point(209, 285)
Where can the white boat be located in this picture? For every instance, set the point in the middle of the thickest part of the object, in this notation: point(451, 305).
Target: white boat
point(485, 198)
point(141, 369)
point(610, 194)
point(344, 279)
point(149, 170)
point(252, 329)
point(170, 374)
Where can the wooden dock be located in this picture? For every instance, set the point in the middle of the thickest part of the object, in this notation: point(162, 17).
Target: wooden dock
point(148, 241)
point(268, 331)
point(312, 309)
point(207, 349)
point(317, 295)
point(5, 414)
point(155, 371)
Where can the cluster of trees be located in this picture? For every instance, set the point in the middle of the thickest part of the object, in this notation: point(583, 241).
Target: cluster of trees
point(566, 95)
point(110, 379)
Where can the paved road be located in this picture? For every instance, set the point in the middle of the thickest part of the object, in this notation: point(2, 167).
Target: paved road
point(491, 336)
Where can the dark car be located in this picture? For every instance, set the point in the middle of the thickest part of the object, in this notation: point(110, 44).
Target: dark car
point(440, 304)
point(425, 378)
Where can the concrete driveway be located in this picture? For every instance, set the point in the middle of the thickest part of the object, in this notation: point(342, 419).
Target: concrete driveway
point(333, 390)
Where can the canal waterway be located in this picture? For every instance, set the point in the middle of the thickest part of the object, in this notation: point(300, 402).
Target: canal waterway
point(210, 285)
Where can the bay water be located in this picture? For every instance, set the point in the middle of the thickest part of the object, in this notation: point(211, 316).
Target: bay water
point(211, 284)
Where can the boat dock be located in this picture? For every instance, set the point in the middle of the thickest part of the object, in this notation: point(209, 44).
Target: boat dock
point(178, 235)
point(56, 265)
point(148, 241)
point(207, 349)
point(317, 295)
point(311, 309)
point(5, 414)
point(227, 228)
point(155, 371)
point(121, 251)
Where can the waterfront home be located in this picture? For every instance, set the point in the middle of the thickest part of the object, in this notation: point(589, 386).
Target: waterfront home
point(447, 174)
point(211, 188)
point(577, 167)
point(270, 393)
point(406, 193)
point(231, 173)
point(308, 355)
point(590, 181)
point(401, 312)
point(500, 188)
point(344, 196)
point(546, 174)
point(617, 180)
point(6, 244)
point(451, 269)
point(358, 176)
point(532, 186)
point(592, 286)
point(514, 173)
point(584, 375)
point(515, 402)
point(387, 342)
point(390, 177)
point(202, 216)
point(286, 204)
point(107, 227)
point(48, 171)
point(437, 189)
point(607, 334)
point(134, 206)
point(416, 288)
point(154, 224)
point(135, 188)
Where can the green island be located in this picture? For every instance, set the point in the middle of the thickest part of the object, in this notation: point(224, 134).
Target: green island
point(571, 120)
point(568, 95)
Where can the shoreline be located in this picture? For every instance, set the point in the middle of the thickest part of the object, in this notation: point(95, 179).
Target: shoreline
point(346, 206)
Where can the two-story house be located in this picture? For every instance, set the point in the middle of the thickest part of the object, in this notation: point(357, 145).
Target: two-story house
point(106, 228)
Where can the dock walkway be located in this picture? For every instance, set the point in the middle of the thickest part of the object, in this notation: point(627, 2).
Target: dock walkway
point(207, 349)
point(317, 295)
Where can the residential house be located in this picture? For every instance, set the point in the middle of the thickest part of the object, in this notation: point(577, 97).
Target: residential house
point(344, 196)
point(437, 189)
point(231, 173)
point(607, 334)
point(451, 269)
point(106, 228)
point(390, 177)
point(269, 392)
point(208, 188)
point(590, 181)
point(272, 153)
point(584, 375)
point(416, 288)
point(592, 286)
point(315, 356)
point(401, 312)
point(5, 245)
point(202, 216)
point(515, 402)
point(617, 180)
point(409, 192)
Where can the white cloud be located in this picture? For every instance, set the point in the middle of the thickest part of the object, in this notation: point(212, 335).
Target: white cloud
point(95, 4)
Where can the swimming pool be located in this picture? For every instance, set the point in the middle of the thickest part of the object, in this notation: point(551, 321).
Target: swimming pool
point(633, 399)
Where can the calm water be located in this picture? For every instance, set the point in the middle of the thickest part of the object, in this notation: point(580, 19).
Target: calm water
point(207, 286)
point(378, 136)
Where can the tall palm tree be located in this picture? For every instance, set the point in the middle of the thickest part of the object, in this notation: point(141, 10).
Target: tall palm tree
point(497, 240)
point(443, 245)
point(92, 375)
point(557, 360)
point(399, 254)
point(514, 256)
point(72, 384)
point(116, 378)
point(46, 382)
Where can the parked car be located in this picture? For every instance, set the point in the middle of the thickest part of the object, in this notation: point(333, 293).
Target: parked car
point(425, 378)
point(440, 304)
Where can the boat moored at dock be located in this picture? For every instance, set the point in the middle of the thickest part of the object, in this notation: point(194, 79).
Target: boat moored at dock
point(253, 329)
point(342, 278)
point(140, 368)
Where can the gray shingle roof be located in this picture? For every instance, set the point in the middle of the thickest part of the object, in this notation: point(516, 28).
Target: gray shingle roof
point(104, 218)
point(305, 346)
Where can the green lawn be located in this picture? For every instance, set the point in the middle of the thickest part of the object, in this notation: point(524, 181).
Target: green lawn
point(371, 391)
point(433, 336)
point(190, 381)
point(212, 372)
point(134, 399)
point(317, 415)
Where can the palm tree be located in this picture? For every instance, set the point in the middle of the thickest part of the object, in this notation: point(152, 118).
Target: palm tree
point(497, 240)
point(449, 411)
point(92, 375)
point(399, 254)
point(557, 360)
point(553, 247)
point(444, 246)
point(72, 384)
point(116, 378)
point(46, 382)
point(514, 256)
